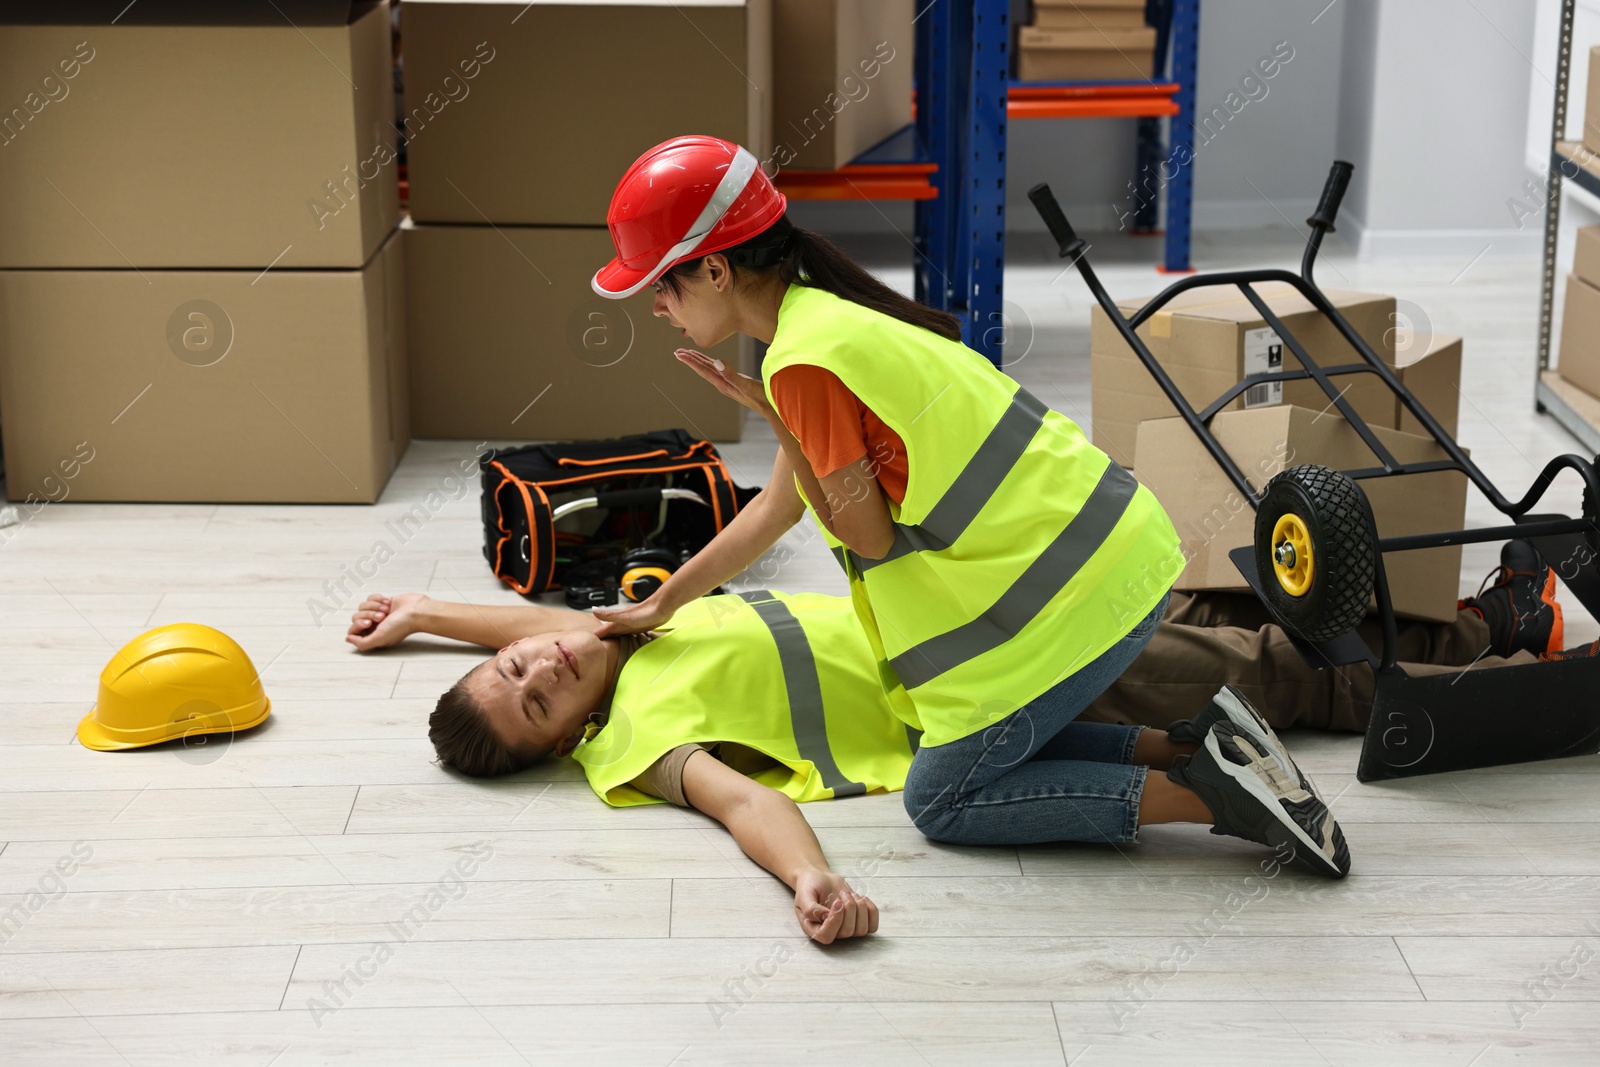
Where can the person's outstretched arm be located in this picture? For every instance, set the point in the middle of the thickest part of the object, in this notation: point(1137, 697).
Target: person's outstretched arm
point(382, 621)
point(771, 830)
point(755, 529)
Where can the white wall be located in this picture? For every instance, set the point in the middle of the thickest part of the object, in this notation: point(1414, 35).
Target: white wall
point(1434, 114)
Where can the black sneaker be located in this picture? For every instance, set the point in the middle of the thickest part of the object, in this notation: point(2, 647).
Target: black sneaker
point(1251, 797)
point(1520, 607)
point(1230, 705)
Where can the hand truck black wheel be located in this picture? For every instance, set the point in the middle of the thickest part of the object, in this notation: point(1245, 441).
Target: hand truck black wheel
point(1314, 552)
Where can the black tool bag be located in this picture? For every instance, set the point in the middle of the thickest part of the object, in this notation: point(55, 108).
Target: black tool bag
point(553, 510)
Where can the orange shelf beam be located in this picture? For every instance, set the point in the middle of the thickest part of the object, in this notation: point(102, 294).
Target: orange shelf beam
point(1090, 109)
point(861, 181)
point(1091, 101)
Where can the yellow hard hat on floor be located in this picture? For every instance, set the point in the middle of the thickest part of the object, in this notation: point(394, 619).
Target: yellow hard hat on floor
point(180, 680)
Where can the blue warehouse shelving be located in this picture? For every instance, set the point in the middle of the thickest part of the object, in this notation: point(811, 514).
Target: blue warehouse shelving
point(952, 161)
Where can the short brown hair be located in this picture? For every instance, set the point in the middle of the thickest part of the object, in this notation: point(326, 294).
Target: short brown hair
point(459, 730)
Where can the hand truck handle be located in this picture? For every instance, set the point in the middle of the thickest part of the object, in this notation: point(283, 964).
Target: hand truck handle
point(1056, 221)
point(1332, 193)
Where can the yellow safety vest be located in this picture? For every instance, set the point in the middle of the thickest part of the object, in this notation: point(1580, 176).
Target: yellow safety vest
point(1021, 552)
point(791, 676)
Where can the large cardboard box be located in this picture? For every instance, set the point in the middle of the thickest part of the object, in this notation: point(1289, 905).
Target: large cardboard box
point(531, 113)
point(842, 79)
point(1212, 518)
point(1579, 357)
point(1208, 339)
point(1586, 253)
point(1430, 366)
point(204, 386)
point(1085, 55)
point(1096, 15)
point(509, 341)
point(161, 145)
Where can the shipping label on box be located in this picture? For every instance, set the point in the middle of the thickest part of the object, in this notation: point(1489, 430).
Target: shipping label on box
point(1263, 354)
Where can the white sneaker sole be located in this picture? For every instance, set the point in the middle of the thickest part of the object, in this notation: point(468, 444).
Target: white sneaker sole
point(1257, 788)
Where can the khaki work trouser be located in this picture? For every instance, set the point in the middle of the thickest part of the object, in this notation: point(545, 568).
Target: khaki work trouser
point(1208, 640)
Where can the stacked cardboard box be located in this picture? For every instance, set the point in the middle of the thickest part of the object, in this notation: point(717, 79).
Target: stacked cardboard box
point(1429, 365)
point(1212, 518)
point(198, 259)
point(1103, 40)
point(1207, 340)
point(1578, 360)
point(841, 80)
point(520, 119)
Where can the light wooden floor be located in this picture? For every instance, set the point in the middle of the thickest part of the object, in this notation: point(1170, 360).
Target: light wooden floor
point(227, 892)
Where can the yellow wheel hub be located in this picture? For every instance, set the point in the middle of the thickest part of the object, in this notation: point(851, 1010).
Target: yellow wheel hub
point(1292, 560)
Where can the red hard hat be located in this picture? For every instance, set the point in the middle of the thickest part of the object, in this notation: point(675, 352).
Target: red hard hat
point(686, 197)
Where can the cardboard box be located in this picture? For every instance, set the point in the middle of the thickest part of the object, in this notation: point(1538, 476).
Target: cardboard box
point(204, 386)
point(1586, 254)
point(531, 113)
point(138, 145)
point(1085, 55)
point(1579, 357)
point(842, 80)
point(1099, 15)
point(1430, 366)
point(508, 341)
point(1208, 339)
point(1212, 518)
point(1591, 109)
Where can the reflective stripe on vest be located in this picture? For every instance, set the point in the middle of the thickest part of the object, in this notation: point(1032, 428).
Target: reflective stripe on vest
point(973, 487)
point(1052, 569)
point(804, 690)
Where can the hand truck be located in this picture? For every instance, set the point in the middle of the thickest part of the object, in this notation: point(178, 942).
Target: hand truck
point(1317, 561)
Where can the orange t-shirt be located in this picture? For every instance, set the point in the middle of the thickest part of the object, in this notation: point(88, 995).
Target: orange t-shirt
point(835, 428)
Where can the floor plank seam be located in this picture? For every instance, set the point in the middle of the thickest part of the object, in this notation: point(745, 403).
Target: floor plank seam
point(290, 980)
point(537, 1004)
point(158, 603)
point(1422, 992)
point(1060, 1038)
point(1480, 881)
point(354, 800)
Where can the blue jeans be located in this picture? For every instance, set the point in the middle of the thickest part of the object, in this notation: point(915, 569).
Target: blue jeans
point(1036, 775)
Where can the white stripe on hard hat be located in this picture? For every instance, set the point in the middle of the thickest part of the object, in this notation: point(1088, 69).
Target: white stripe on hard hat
point(732, 185)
